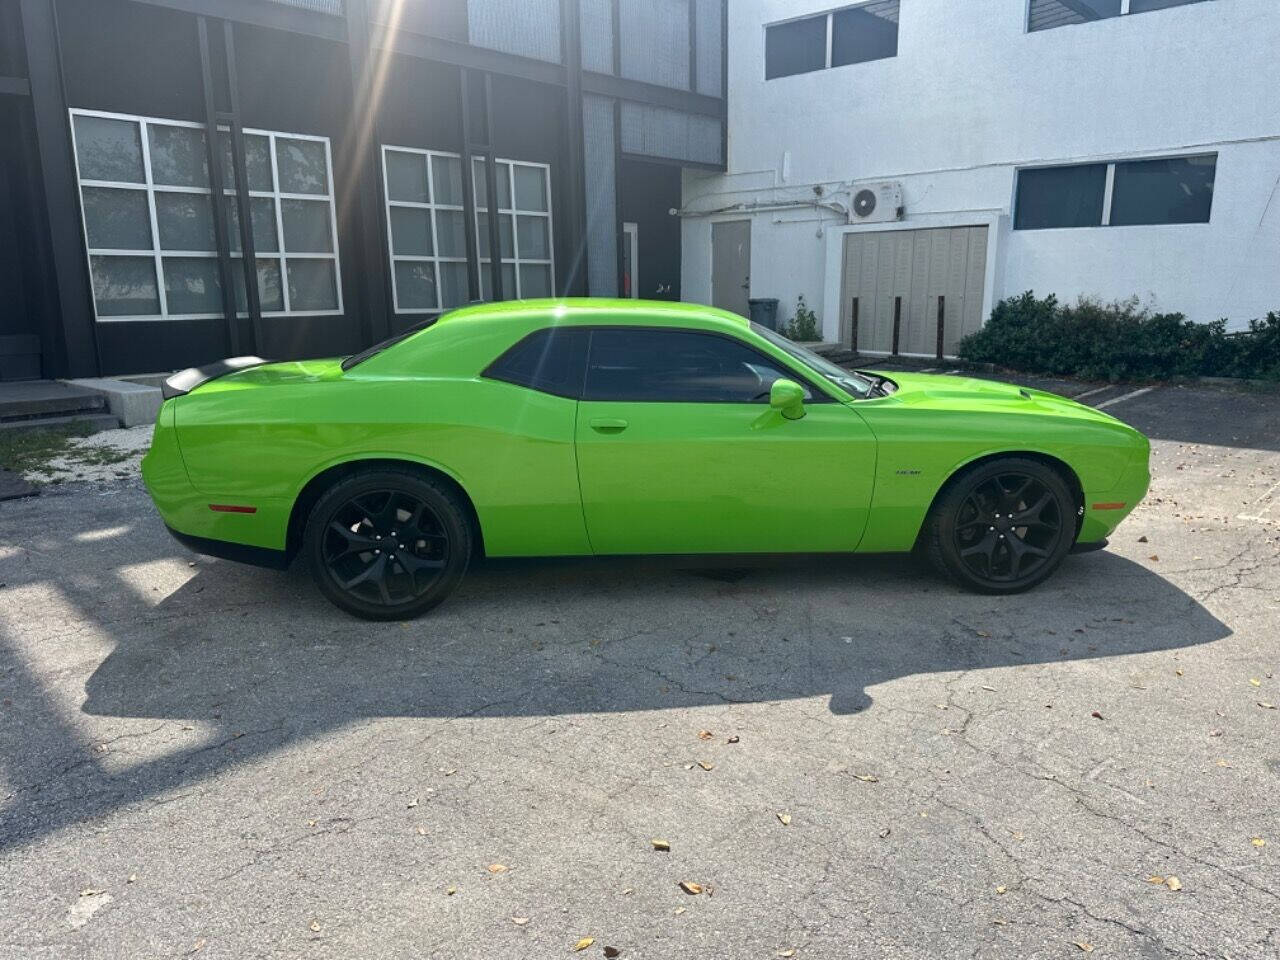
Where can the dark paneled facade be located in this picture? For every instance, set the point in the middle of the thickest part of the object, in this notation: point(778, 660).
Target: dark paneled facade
point(317, 100)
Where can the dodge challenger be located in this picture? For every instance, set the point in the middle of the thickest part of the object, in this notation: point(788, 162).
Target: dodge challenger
point(610, 427)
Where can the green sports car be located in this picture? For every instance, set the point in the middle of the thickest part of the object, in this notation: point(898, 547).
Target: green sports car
point(607, 427)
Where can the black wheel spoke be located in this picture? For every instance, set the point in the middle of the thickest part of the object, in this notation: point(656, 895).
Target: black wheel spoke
point(386, 547)
point(1023, 519)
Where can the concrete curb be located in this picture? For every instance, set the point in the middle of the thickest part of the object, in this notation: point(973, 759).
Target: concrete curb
point(134, 404)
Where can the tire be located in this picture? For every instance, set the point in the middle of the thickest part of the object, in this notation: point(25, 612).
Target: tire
point(973, 534)
point(418, 521)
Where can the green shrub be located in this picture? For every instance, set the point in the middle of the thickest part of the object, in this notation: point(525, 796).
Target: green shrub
point(804, 326)
point(1120, 341)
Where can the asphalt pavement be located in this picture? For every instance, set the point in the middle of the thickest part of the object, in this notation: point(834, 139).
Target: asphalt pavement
point(845, 758)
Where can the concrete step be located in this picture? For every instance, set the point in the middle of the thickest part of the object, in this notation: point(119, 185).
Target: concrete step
point(45, 398)
point(91, 422)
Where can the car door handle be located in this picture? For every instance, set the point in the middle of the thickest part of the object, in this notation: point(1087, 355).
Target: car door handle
point(608, 425)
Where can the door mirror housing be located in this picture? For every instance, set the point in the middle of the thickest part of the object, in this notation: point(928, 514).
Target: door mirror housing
point(787, 397)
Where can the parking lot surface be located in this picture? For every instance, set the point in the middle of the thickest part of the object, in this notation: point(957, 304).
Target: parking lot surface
point(846, 758)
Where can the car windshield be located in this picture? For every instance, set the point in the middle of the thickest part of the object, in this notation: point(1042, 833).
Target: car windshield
point(846, 380)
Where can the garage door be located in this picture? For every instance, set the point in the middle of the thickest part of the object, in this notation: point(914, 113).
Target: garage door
point(901, 287)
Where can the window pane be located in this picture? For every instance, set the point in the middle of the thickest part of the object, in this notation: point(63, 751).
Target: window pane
point(502, 172)
point(1046, 14)
point(306, 226)
point(504, 234)
point(415, 285)
point(1061, 197)
point(672, 366)
point(311, 285)
point(1142, 6)
point(109, 149)
point(302, 166)
point(192, 285)
point(550, 360)
point(447, 175)
point(125, 286)
point(262, 213)
point(508, 282)
point(864, 33)
point(534, 242)
point(257, 161)
point(453, 284)
point(185, 221)
point(270, 295)
point(535, 280)
point(451, 241)
point(407, 177)
point(796, 47)
point(178, 156)
point(411, 232)
point(531, 188)
point(117, 219)
point(1175, 190)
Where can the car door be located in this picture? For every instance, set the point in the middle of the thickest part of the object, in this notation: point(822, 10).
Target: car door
point(679, 451)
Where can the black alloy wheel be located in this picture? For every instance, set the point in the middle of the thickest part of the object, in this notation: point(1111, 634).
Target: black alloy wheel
point(388, 544)
point(1003, 527)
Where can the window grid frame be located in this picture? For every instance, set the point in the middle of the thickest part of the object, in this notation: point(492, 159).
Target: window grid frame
point(158, 254)
point(829, 17)
point(1108, 196)
point(432, 205)
point(1125, 11)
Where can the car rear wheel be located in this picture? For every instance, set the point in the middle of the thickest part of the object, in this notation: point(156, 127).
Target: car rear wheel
point(388, 544)
point(1003, 526)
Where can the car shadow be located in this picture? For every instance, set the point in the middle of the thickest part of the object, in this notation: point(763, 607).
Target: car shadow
point(254, 662)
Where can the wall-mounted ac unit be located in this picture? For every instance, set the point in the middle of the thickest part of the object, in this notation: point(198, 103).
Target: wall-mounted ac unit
point(876, 203)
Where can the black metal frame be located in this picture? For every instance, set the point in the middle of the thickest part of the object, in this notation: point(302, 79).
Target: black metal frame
point(217, 188)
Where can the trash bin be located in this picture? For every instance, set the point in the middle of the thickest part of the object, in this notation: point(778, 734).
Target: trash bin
point(764, 311)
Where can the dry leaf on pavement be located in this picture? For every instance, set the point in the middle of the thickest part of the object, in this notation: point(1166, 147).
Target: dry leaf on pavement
point(660, 844)
point(519, 921)
point(706, 765)
point(497, 868)
point(787, 953)
point(1173, 883)
point(1001, 890)
point(784, 819)
point(690, 887)
point(1086, 947)
point(705, 734)
point(1257, 841)
point(866, 777)
point(583, 944)
point(612, 952)
point(315, 926)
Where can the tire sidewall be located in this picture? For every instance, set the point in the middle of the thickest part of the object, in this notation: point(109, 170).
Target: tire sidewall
point(942, 535)
point(438, 498)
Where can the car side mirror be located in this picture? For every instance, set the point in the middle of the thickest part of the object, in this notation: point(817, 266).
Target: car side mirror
point(787, 397)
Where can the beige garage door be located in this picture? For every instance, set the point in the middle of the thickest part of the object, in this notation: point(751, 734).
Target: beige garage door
point(897, 280)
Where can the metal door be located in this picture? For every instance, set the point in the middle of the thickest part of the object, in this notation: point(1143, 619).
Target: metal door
point(731, 265)
point(914, 292)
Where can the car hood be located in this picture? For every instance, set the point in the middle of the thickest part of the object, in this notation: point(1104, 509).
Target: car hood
point(970, 393)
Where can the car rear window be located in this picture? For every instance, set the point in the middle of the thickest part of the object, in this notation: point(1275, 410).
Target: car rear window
point(549, 361)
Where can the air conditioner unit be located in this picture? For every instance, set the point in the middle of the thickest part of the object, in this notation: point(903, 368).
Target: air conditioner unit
point(876, 203)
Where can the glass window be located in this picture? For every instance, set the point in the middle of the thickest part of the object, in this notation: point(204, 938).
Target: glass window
point(864, 33)
point(551, 361)
point(170, 210)
point(1047, 14)
point(676, 366)
point(1061, 197)
point(796, 47)
point(1172, 190)
point(427, 229)
point(179, 156)
point(108, 149)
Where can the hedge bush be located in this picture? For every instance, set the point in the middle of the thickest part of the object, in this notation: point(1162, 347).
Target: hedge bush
point(1120, 341)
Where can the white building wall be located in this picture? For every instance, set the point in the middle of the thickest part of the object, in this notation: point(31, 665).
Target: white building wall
point(970, 97)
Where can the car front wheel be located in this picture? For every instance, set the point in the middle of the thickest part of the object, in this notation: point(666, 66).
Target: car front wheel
point(388, 544)
point(1003, 526)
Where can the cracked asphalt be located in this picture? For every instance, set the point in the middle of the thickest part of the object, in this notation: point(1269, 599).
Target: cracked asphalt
point(201, 759)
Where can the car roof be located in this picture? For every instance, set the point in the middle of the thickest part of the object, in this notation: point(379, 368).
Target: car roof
point(595, 309)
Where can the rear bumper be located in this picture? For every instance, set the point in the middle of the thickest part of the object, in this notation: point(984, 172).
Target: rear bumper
point(239, 552)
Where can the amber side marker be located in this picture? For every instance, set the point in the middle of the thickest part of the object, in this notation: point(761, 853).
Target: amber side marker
point(231, 508)
point(1108, 506)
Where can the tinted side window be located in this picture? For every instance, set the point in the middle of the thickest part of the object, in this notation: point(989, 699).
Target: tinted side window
point(550, 360)
point(1177, 190)
point(1061, 197)
point(675, 366)
point(796, 47)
